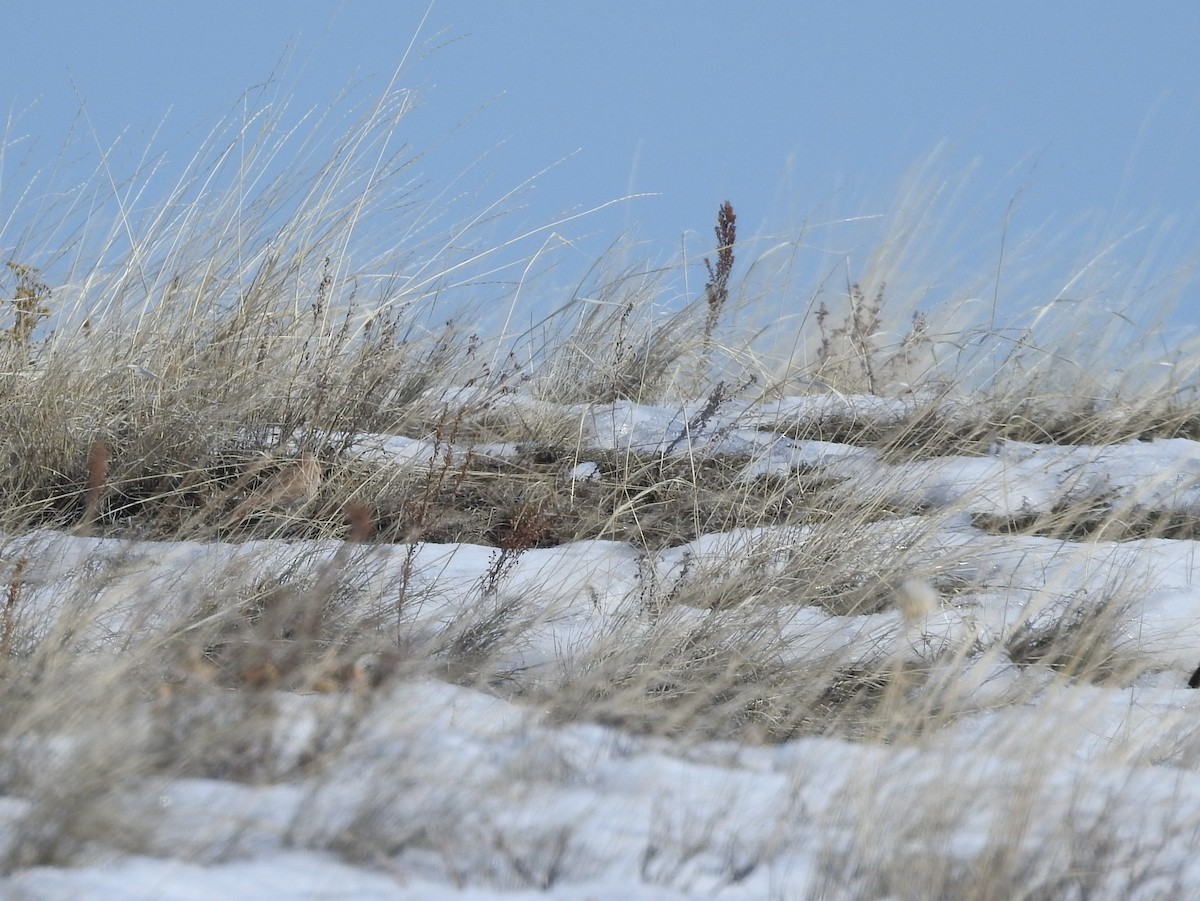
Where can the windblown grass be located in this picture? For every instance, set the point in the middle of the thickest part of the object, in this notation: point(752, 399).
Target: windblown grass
point(222, 332)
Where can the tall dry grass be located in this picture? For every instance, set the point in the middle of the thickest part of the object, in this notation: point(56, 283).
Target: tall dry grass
point(255, 314)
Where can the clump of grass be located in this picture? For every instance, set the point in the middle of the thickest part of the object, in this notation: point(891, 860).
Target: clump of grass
point(614, 345)
point(1082, 638)
point(30, 305)
point(730, 675)
point(852, 355)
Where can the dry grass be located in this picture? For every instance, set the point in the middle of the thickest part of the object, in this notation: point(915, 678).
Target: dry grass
point(169, 398)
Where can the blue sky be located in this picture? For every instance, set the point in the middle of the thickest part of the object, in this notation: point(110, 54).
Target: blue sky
point(1078, 120)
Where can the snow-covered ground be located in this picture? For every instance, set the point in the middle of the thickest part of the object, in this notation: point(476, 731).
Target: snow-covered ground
point(424, 787)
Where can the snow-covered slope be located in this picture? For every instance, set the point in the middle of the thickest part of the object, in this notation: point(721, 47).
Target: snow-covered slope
point(427, 787)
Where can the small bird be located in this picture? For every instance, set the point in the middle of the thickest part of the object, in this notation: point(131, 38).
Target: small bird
point(289, 489)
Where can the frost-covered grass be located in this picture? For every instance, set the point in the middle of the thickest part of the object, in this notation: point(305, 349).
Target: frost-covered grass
point(624, 604)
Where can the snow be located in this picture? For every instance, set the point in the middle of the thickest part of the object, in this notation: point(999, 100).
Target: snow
point(450, 791)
